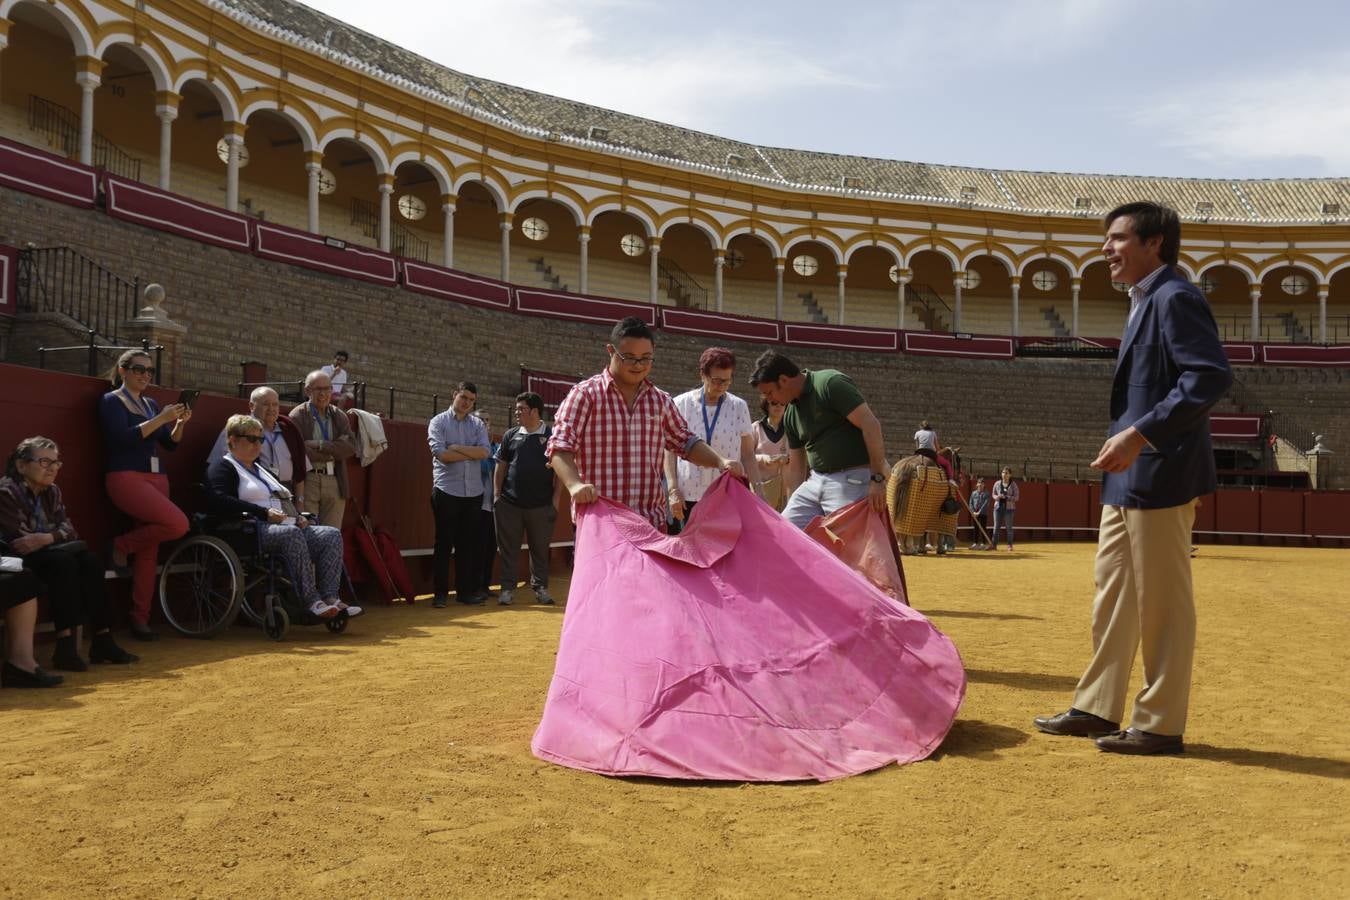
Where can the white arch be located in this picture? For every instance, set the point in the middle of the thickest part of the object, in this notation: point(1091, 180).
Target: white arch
point(307, 138)
point(83, 41)
point(158, 71)
point(942, 251)
point(999, 255)
point(894, 253)
point(1188, 269)
point(1074, 270)
point(1339, 268)
point(1282, 263)
point(616, 206)
point(827, 243)
point(229, 108)
point(350, 134)
point(578, 214)
point(1232, 264)
point(712, 236)
point(442, 177)
point(759, 235)
point(489, 180)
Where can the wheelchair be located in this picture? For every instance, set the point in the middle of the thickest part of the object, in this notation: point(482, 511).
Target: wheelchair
point(220, 573)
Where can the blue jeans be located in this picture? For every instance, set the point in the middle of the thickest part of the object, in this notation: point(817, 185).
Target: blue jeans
point(824, 492)
point(1004, 517)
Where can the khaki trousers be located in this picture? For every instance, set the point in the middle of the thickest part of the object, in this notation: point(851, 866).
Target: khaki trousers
point(322, 498)
point(1144, 599)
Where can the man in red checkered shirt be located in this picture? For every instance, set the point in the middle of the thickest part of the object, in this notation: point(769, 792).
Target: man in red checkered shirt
point(611, 430)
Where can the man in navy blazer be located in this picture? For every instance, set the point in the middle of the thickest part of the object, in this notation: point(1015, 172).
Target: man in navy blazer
point(1156, 461)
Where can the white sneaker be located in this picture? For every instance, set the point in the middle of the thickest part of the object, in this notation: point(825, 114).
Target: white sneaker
point(505, 598)
point(323, 610)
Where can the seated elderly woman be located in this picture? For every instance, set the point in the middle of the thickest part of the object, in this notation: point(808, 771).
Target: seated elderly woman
point(34, 524)
point(18, 600)
point(237, 485)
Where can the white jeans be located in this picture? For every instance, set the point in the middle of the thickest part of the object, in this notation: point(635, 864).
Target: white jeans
point(824, 492)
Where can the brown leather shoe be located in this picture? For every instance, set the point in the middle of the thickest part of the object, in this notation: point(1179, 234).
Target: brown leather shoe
point(1140, 743)
point(1076, 723)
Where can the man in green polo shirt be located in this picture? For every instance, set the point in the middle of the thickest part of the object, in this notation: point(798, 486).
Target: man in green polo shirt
point(830, 431)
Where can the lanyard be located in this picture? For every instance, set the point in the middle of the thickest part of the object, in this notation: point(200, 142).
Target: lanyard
point(322, 422)
point(142, 405)
point(272, 448)
point(703, 405)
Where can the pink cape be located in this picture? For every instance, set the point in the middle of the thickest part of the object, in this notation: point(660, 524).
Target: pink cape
point(739, 650)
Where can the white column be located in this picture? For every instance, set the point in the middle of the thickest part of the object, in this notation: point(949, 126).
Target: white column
point(506, 246)
point(1256, 311)
point(87, 81)
point(312, 170)
point(903, 278)
point(779, 265)
point(958, 278)
point(166, 116)
point(654, 251)
point(1323, 290)
point(232, 143)
point(448, 244)
point(386, 189)
point(584, 242)
point(1077, 287)
point(842, 274)
point(1016, 315)
point(719, 263)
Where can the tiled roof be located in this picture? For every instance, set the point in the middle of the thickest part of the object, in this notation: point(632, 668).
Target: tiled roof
point(543, 115)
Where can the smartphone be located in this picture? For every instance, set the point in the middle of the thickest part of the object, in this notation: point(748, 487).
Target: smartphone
point(188, 398)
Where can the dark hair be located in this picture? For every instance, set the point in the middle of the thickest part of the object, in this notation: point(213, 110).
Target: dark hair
point(342, 353)
point(771, 366)
point(631, 327)
point(466, 386)
point(716, 358)
point(1149, 220)
point(24, 451)
point(532, 400)
point(123, 361)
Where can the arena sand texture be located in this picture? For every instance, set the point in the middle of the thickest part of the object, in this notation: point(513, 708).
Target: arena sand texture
point(394, 761)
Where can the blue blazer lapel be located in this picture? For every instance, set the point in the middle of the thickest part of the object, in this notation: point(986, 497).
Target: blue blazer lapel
point(1132, 331)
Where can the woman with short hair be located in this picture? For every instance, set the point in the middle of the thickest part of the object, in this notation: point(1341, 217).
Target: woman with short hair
point(771, 453)
point(1005, 505)
point(238, 486)
point(34, 525)
point(135, 430)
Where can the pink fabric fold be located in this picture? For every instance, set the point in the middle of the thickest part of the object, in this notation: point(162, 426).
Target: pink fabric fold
point(740, 649)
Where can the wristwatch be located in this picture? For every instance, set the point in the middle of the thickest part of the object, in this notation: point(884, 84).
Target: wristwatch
point(878, 478)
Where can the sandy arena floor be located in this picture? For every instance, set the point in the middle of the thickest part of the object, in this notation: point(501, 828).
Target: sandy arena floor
point(394, 761)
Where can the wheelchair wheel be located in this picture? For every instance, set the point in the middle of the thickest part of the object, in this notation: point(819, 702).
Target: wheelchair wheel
point(338, 623)
point(276, 623)
point(200, 586)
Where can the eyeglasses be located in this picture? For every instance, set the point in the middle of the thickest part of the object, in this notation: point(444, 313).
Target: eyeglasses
point(140, 369)
point(629, 359)
point(720, 382)
point(251, 438)
point(48, 463)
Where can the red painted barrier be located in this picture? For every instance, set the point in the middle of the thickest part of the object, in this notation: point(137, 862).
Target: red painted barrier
point(47, 175)
point(312, 251)
point(926, 343)
point(9, 264)
point(164, 211)
point(721, 325)
point(447, 284)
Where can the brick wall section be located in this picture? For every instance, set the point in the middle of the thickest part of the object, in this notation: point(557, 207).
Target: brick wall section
point(239, 307)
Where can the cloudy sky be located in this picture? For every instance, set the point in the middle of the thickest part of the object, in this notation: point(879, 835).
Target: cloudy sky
point(1199, 88)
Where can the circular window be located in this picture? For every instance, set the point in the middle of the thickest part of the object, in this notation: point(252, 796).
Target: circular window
point(1209, 284)
point(633, 244)
point(1045, 280)
point(735, 259)
point(223, 151)
point(534, 228)
point(411, 208)
point(1293, 285)
point(806, 266)
point(895, 274)
point(971, 280)
point(327, 182)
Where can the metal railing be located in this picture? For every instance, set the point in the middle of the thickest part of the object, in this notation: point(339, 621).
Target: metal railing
point(293, 390)
point(61, 127)
point(680, 285)
point(932, 306)
point(1271, 328)
point(402, 241)
point(63, 280)
point(93, 350)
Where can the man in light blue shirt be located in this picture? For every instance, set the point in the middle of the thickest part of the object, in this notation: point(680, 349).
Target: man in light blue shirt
point(458, 441)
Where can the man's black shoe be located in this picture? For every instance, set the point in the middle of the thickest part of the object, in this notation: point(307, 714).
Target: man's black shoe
point(1140, 743)
point(473, 599)
point(1076, 723)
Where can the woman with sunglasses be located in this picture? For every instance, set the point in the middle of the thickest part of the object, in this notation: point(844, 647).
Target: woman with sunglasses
point(135, 429)
point(237, 486)
point(771, 453)
point(34, 526)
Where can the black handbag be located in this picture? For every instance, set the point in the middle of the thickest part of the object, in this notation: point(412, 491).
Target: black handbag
point(949, 506)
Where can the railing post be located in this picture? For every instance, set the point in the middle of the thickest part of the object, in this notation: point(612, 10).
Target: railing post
point(93, 354)
point(435, 404)
point(239, 387)
point(391, 401)
point(42, 357)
